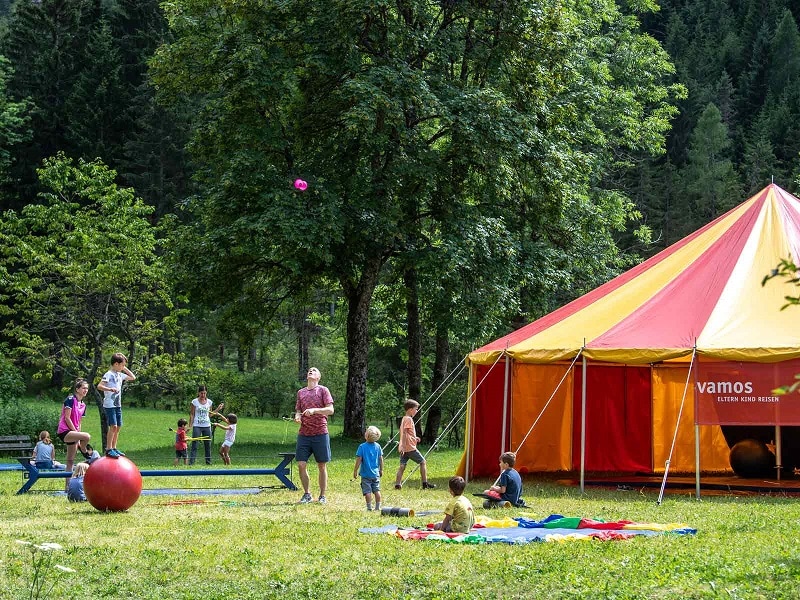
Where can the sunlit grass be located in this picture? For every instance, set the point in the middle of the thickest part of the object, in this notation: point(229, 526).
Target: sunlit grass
point(267, 546)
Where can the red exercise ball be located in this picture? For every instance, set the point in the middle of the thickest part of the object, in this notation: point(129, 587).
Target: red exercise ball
point(112, 484)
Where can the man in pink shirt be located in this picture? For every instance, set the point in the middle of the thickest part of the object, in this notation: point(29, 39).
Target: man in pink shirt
point(314, 406)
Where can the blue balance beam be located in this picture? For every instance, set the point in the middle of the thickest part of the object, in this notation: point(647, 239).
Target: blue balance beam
point(32, 474)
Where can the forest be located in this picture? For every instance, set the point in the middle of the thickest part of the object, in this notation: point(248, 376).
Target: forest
point(470, 165)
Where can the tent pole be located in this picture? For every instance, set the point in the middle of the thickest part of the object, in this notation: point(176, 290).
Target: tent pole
point(506, 378)
point(470, 420)
point(778, 451)
point(583, 425)
point(677, 425)
point(697, 461)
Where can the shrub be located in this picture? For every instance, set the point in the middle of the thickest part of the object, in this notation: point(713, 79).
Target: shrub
point(17, 418)
point(11, 382)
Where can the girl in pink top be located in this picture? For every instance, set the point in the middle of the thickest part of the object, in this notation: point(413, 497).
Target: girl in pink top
point(69, 425)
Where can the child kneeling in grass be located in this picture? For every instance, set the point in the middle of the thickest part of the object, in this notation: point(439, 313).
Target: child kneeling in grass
point(458, 515)
point(75, 491)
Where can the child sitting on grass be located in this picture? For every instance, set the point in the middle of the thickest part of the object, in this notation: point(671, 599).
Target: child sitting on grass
point(369, 464)
point(509, 486)
point(75, 491)
point(458, 515)
point(93, 454)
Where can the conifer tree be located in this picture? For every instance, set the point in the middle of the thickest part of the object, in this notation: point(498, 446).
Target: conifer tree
point(710, 180)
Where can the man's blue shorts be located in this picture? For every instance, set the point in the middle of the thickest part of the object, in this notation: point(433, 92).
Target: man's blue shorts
point(114, 416)
point(318, 445)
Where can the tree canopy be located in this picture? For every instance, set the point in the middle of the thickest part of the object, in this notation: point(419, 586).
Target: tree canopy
point(405, 118)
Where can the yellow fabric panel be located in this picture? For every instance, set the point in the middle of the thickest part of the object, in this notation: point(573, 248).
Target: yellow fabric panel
point(549, 445)
point(668, 384)
point(566, 337)
point(748, 323)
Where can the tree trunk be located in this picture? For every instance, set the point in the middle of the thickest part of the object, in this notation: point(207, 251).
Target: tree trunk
point(97, 356)
point(358, 297)
point(303, 338)
point(440, 367)
point(57, 374)
point(252, 357)
point(240, 356)
point(414, 366)
point(222, 356)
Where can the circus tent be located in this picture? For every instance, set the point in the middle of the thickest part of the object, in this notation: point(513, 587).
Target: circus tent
point(618, 379)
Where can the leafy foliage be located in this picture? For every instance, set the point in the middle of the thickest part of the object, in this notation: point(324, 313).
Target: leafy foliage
point(12, 384)
point(81, 269)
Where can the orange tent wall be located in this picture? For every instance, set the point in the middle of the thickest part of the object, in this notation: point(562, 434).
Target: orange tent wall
point(668, 385)
point(548, 446)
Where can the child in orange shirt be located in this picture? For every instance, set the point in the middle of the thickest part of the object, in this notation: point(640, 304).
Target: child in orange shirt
point(408, 447)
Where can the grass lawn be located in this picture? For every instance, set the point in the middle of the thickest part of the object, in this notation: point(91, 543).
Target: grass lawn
point(266, 545)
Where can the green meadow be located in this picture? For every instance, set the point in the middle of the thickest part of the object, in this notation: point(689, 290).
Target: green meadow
point(265, 545)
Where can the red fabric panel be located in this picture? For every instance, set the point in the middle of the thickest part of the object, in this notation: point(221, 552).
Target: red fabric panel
point(677, 314)
point(546, 321)
point(618, 419)
point(487, 419)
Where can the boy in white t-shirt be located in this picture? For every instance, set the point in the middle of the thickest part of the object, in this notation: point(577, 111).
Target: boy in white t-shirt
point(111, 386)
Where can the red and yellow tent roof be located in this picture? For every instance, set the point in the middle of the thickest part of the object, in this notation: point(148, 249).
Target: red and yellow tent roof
point(704, 290)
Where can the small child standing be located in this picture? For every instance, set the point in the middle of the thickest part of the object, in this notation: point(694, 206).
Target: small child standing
point(509, 486)
point(458, 514)
point(230, 435)
point(44, 453)
point(369, 464)
point(111, 386)
point(75, 492)
point(408, 447)
point(180, 442)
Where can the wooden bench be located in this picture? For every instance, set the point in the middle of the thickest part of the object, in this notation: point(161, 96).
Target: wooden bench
point(32, 474)
point(19, 444)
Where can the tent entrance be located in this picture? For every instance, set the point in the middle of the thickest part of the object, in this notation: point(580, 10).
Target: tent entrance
point(618, 419)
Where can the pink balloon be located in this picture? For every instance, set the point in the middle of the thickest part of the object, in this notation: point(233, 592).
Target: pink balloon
point(301, 185)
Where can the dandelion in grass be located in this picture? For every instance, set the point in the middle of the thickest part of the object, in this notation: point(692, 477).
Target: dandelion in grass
point(41, 561)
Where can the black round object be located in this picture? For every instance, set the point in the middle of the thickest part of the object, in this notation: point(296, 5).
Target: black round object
point(751, 458)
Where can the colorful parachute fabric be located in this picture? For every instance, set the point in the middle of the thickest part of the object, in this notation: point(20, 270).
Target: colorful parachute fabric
point(524, 530)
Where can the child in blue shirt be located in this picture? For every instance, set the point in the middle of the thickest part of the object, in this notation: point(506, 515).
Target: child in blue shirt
point(369, 464)
point(75, 492)
point(509, 486)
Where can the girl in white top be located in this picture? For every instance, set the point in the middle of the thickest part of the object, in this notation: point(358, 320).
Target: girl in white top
point(230, 435)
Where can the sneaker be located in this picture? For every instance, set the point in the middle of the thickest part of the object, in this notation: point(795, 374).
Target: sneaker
point(86, 455)
point(428, 486)
point(397, 486)
point(119, 452)
point(111, 453)
point(306, 498)
point(369, 508)
point(323, 500)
